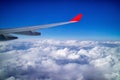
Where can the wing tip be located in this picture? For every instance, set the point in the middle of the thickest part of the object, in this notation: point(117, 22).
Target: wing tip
point(76, 18)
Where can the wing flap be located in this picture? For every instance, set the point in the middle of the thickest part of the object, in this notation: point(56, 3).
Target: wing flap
point(29, 33)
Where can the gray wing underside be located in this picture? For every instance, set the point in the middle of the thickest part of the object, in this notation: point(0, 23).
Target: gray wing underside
point(31, 28)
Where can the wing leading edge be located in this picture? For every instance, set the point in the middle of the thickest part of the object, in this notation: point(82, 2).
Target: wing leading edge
point(30, 29)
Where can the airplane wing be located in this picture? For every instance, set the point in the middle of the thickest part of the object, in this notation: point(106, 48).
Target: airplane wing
point(30, 30)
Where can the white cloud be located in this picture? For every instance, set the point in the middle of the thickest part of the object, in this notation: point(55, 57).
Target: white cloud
point(59, 60)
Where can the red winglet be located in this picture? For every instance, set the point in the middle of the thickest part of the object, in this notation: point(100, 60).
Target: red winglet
point(76, 18)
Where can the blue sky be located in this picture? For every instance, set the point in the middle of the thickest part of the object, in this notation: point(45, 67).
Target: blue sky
point(100, 21)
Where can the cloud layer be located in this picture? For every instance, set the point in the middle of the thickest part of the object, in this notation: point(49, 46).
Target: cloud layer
point(59, 60)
